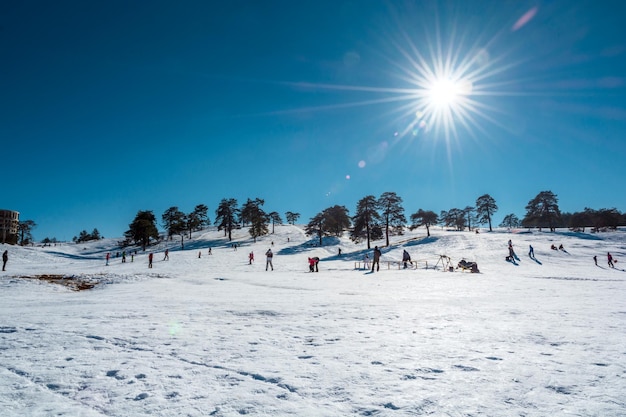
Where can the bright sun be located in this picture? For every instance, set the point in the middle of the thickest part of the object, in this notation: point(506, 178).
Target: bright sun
point(445, 93)
point(445, 82)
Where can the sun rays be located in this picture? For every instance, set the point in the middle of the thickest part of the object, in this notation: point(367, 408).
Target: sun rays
point(444, 83)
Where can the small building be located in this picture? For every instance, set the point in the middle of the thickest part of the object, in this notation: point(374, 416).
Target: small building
point(9, 222)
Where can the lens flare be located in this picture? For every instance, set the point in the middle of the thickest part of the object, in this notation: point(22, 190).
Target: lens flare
point(444, 79)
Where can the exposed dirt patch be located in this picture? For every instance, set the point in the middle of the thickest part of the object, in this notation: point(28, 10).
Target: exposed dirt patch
point(74, 283)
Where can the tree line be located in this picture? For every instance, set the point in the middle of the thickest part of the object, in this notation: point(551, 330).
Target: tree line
point(374, 219)
point(228, 217)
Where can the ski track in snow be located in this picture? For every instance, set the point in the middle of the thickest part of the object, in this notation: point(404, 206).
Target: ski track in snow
point(216, 336)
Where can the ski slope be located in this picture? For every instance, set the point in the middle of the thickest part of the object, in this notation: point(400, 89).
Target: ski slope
point(214, 335)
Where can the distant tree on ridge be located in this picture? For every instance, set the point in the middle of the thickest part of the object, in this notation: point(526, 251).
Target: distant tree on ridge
point(143, 228)
point(292, 217)
point(511, 221)
point(276, 219)
point(543, 211)
point(392, 213)
point(226, 216)
point(366, 221)
point(425, 218)
point(25, 228)
point(485, 208)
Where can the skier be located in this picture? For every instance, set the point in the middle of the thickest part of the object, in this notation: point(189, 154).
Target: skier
point(311, 264)
point(108, 257)
point(5, 259)
point(608, 255)
point(595, 259)
point(268, 263)
point(150, 260)
point(531, 251)
point(250, 258)
point(376, 262)
point(167, 255)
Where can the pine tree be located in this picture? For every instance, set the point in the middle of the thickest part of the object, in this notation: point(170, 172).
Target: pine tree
point(175, 223)
point(25, 228)
point(275, 218)
point(366, 220)
point(143, 228)
point(197, 218)
point(485, 209)
point(257, 218)
point(292, 217)
point(543, 211)
point(425, 218)
point(316, 227)
point(392, 212)
point(469, 213)
point(510, 221)
point(453, 218)
point(333, 221)
point(226, 216)
point(336, 220)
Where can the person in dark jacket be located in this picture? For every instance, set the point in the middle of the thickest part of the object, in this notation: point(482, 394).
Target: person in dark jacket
point(406, 258)
point(268, 259)
point(376, 261)
point(5, 259)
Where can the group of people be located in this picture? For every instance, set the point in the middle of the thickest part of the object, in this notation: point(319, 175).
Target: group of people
point(375, 260)
point(610, 259)
point(314, 261)
point(313, 264)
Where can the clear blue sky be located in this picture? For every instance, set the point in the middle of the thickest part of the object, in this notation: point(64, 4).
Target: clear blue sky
point(110, 107)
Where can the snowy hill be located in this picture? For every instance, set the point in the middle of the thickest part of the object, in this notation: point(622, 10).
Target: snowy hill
point(202, 334)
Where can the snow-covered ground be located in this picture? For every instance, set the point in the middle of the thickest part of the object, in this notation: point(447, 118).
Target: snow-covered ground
point(215, 336)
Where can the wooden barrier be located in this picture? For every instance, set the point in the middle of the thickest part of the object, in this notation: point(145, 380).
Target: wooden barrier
point(360, 265)
point(399, 264)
